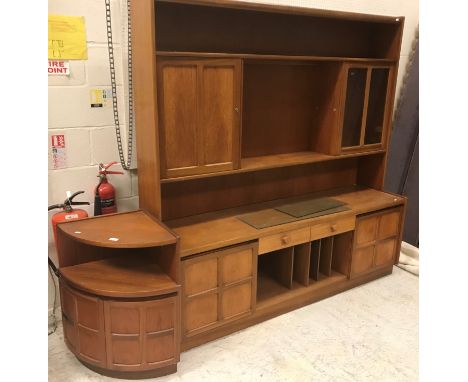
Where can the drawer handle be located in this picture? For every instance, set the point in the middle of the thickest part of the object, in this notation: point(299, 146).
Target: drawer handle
point(333, 227)
point(285, 239)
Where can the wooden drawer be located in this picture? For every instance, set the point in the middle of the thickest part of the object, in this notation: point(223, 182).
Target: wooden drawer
point(318, 231)
point(283, 240)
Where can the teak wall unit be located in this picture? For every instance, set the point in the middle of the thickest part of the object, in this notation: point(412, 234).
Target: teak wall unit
point(240, 108)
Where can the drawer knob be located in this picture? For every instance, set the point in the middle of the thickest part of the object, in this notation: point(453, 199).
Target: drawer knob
point(333, 227)
point(285, 239)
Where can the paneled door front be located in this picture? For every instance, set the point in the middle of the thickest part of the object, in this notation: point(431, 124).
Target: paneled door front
point(199, 116)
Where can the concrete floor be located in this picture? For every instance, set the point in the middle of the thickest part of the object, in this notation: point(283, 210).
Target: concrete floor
point(369, 333)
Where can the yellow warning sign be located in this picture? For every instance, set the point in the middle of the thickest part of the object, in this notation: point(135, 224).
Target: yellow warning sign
point(67, 38)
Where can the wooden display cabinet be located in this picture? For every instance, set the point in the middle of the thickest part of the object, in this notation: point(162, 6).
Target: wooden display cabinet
point(240, 109)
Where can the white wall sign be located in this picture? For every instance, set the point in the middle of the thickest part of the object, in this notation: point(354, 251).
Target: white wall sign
point(59, 68)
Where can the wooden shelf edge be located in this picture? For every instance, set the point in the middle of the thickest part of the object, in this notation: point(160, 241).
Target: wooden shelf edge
point(65, 229)
point(268, 162)
point(275, 57)
point(84, 277)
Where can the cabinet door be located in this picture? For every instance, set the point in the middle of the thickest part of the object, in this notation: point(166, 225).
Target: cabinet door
point(218, 287)
point(376, 241)
point(199, 116)
point(141, 335)
point(366, 95)
point(83, 325)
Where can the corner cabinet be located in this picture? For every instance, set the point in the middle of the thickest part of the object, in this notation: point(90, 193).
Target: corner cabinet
point(120, 294)
point(199, 115)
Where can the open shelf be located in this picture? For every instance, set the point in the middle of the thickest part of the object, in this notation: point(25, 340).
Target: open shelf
point(134, 229)
point(273, 57)
point(266, 162)
point(303, 266)
point(123, 276)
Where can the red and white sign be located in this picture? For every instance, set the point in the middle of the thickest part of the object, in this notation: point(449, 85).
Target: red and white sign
point(59, 155)
point(59, 68)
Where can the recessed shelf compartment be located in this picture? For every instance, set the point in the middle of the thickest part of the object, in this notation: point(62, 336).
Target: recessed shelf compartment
point(267, 162)
point(303, 266)
point(238, 28)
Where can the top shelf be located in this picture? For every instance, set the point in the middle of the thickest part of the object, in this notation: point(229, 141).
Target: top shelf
point(134, 229)
point(273, 57)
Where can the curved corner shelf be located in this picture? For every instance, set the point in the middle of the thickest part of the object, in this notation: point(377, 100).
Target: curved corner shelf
point(134, 229)
point(121, 277)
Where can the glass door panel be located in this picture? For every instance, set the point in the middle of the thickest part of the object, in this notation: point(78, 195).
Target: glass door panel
point(376, 105)
point(354, 105)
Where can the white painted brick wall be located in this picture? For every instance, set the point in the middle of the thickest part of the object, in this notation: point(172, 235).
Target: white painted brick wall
point(89, 133)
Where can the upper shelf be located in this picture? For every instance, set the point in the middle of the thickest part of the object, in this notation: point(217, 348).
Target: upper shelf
point(273, 57)
point(124, 230)
point(274, 161)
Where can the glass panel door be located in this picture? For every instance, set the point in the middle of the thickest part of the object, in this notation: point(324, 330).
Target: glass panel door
point(354, 105)
point(376, 106)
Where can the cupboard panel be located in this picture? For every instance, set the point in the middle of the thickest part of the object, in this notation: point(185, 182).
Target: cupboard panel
point(200, 275)
point(179, 116)
point(385, 253)
point(160, 348)
point(220, 103)
point(366, 230)
point(237, 300)
point(363, 259)
point(201, 311)
point(389, 224)
point(237, 266)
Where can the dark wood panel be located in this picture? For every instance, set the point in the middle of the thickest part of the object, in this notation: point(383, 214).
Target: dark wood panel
point(326, 253)
point(301, 263)
point(279, 108)
point(315, 259)
point(342, 249)
point(211, 29)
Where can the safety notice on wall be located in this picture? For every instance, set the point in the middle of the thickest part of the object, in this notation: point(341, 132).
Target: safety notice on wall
point(100, 97)
point(59, 155)
point(67, 38)
point(59, 68)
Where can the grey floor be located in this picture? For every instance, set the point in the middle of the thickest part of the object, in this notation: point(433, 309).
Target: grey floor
point(369, 333)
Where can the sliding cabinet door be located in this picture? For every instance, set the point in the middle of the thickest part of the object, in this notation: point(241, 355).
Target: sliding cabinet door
point(199, 116)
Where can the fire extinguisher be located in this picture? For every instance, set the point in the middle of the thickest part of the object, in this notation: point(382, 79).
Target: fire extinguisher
point(104, 199)
point(68, 212)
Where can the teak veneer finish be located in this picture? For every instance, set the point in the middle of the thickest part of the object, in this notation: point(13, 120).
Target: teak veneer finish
point(239, 108)
point(120, 298)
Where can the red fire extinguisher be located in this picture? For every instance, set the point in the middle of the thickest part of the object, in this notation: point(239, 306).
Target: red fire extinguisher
point(68, 212)
point(104, 199)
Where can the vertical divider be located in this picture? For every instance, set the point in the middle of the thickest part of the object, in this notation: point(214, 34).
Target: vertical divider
point(326, 252)
point(283, 265)
point(301, 263)
point(314, 259)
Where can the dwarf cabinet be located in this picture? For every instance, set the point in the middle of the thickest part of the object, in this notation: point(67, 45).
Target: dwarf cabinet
point(376, 241)
point(218, 287)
